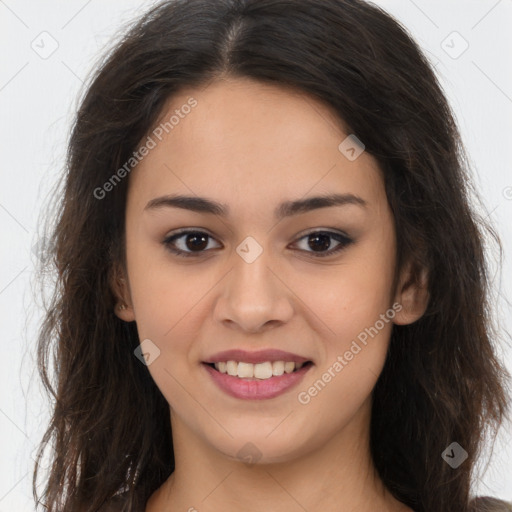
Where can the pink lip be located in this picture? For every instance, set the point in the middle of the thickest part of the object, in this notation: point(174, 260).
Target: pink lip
point(254, 357)
point(256, 389)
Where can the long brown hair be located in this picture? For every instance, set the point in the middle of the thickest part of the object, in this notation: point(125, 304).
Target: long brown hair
point(442, 381)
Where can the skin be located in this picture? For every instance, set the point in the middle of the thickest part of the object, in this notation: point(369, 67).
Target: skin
point(251, 146)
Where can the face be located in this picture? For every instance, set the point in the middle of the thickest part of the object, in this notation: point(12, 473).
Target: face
point(256, 274)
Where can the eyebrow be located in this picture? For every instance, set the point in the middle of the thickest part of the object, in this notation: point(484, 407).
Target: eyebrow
point(285, 209)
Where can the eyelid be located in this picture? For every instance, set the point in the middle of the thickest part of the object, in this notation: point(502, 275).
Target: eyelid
point(322, 230)
point(167, 241)
point(345, 241)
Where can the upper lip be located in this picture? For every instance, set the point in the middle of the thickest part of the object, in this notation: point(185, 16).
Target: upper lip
point(259, 356)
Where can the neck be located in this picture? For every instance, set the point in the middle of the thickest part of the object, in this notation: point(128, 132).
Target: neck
point(338, 476)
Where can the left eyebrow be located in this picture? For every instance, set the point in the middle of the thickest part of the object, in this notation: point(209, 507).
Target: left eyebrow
point(285, 209)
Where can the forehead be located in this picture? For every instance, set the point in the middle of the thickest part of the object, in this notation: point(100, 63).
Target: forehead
point(253, 144)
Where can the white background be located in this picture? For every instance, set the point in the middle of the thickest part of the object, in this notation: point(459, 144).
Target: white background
point(37, 100)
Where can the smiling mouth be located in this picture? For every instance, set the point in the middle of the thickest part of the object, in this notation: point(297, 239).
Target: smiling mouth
point(257, 371)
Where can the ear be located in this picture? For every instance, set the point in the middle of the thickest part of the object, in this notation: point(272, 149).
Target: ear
point(119, 284)
point(412, 294)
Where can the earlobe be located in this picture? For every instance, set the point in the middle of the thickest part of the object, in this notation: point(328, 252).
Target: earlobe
point(412, 294)
point(124, 312)
point(123, 309)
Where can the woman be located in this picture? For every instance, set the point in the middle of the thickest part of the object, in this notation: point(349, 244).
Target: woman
point(272, 291)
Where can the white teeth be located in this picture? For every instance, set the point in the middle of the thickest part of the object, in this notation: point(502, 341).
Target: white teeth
point(245, 370)
point(232, 368)
point(278, 367)
point(259, 371)
point(263, 370)
point(289, 367)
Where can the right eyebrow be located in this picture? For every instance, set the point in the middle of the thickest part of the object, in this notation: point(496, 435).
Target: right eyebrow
point(285, 209)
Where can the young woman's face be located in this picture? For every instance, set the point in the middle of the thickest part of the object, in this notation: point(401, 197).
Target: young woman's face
point(314, 282)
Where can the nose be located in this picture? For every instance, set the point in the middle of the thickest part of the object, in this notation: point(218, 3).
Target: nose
point(254, 296)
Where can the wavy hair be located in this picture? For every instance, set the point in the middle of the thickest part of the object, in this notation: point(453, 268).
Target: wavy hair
point(442, 380)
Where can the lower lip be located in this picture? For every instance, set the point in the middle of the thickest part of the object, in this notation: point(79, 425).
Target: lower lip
point(256, 389)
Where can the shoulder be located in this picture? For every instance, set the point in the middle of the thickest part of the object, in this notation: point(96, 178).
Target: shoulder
point(488, 504)
point(118, 503)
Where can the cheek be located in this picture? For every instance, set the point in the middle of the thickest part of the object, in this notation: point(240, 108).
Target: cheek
point(352, 301)
point(163, 293)
point(170, 303)
point(360, 321)
point(349, 297)
point(339, 389)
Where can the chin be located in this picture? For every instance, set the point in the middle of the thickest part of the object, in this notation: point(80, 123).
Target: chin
point(262, 446)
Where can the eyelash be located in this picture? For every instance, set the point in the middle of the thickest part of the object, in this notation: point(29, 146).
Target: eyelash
point(344, 241)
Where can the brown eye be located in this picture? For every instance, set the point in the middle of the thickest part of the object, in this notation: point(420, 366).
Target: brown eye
point(189, 242)
point(320, 241)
